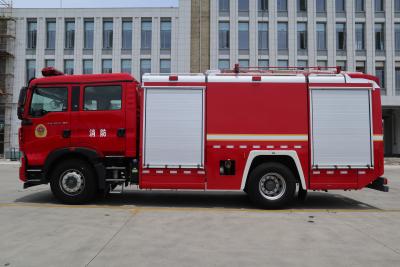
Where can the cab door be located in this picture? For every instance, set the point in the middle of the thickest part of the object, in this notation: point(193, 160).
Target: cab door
point(47, 126)
point(99, 122)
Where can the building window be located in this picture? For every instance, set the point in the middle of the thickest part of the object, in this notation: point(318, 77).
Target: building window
point(340, 6)
point(243, 7)
point(379, 6)
point(360, 36)
point(396, 5)
point(107, 34)
point(165, 66)
point(341, 64)
point(282, 5)
point(263, 63)
point(322, 63)
point(243, 36)
point(283, 64)
point(49, 63)
point(262, 6)
point(126, 66)
point(244, 63)
point(146, 34)
point(301, 35)
point(379, 36)
point(32, 34)
point(87, 66)
point(165, 34)
point(30, 69)
point(282, 36)
point(321, 36)
point(223, 7)
point(69, 66)
point(88, 34)
point(106, 66)
point(51, 34)
point(380, 74)
point(301, 5)
point(127, 34)
point(360, 66)
point(69, 34)
point(223, 35)
point(263, 35)
point(223, 64)
point(340, 36)
point(302, 64)
point(397, 80)
point(359, 5)
point(320, 5)
point(397, 36)
point(145, 67)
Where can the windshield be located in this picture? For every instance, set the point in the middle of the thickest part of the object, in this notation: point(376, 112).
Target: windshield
point(45, 100)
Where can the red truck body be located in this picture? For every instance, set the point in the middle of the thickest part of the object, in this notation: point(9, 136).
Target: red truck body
point(212, 131)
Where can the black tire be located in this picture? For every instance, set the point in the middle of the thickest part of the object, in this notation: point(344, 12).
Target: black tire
point(274, 190)
point(73, 182)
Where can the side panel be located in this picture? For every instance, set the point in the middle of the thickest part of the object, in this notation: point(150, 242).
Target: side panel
point(244, 117)
point(354, 178)
point(170, 177)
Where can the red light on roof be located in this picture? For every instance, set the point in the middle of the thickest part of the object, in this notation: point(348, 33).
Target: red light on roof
point(173, 77)
point(256, 78)
point(50, 71)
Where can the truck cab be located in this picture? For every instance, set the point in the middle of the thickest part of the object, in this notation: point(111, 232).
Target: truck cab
point(91, 118)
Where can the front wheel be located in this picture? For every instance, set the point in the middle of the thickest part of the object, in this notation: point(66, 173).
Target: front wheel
point(73, 182)
point(271, 185)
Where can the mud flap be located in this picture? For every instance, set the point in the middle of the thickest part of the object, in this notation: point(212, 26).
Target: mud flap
point(379, 184)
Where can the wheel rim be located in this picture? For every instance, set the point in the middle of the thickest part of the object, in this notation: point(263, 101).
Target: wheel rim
point(72, 182)
point(272, 186)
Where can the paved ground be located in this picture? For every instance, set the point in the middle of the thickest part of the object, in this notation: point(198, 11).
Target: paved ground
point(198, 229)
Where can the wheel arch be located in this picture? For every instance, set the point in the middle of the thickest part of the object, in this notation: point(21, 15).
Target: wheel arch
point(287, 157)
point(89, 155)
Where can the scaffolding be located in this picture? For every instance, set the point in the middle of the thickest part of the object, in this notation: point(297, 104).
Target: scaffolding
point(7, 44)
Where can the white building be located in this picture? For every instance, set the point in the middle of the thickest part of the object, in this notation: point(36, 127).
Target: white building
point(358, 35)
point(100, 40)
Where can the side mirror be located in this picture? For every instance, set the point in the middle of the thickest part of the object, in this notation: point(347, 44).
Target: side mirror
point(21, 102)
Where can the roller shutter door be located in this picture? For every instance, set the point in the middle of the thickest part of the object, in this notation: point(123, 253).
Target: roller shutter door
point(341, 127)
point(174, 127)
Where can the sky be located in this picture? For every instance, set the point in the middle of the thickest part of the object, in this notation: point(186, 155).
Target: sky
point(93, 3)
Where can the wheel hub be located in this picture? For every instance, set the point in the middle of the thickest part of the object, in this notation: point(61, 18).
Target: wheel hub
point(272, 186)
point(72, 182)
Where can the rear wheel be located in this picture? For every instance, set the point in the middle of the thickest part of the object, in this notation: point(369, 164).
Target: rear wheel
point(271, 185)
point(73, 182)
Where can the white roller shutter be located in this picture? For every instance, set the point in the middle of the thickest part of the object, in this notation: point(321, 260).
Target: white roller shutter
point(341, 127)
point(174, 127)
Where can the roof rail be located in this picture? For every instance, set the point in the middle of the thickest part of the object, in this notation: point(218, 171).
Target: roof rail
point(274, 69)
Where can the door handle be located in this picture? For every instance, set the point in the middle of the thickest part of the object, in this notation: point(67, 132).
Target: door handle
point(66, 134)
point(121, 132)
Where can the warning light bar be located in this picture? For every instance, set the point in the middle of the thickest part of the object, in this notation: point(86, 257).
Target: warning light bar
point(50, 71)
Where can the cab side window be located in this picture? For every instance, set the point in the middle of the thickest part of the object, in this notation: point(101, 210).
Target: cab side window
point(50, 99)
point(106, 97)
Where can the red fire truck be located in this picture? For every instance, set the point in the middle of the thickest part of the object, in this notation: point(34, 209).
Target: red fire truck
point(274, 134)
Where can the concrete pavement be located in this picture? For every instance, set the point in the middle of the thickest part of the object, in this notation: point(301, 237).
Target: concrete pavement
point(147, 228)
